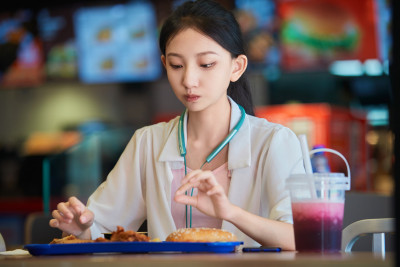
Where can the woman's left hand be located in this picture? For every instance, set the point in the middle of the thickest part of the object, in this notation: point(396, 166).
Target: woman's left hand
point(213, 201)
point(210, 199)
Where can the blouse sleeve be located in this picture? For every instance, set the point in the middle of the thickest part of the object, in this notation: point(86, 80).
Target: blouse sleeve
point(283, 158)
point(120, 199)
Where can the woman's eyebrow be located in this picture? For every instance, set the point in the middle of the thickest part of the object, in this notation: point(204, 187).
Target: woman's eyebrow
point(206, 53)
point(172, 54)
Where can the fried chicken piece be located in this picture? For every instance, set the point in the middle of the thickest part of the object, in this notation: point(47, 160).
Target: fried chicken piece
point(70, 239)
point(101, 239)
point(127, 236)
point(118, 236)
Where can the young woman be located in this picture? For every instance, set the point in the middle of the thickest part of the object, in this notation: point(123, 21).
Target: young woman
point(215, 165)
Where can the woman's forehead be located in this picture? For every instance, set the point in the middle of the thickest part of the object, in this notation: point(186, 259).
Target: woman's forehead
point(193, 40)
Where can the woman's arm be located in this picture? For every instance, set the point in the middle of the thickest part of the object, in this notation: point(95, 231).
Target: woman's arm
point(280, 158)
point(265, 231)
point(212, 200)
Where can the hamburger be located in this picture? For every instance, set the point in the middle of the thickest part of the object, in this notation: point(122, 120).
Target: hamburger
point(201, 235)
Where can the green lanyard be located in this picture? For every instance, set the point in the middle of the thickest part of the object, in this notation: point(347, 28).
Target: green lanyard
point(182, 149)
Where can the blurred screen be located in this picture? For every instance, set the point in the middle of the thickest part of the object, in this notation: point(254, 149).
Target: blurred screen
point(57, 32)
point(258, 22)
point(117, 43)
point(315, 33)
point(21, 53)
point(384, 18)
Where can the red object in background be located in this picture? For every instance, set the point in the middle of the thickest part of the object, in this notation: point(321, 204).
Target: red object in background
point(26, 205)
point(20, 205)
point(164, 117)
point(334, 127)
point(316, 32)
point(25, 73)
point(26, 66)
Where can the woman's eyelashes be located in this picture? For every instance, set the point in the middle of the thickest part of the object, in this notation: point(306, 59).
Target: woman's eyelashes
point(174, 66)
point(204, 66)
point(208, 65)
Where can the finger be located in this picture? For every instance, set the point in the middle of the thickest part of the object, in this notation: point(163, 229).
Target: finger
point(190, 175)
point(76, 205)
point(188, 184)
point(204, 176)
point(187, 187)
point(60, 218)
point(54, 223)
point(87, 217)
point(216, 190)
point(182, 190)
point(196, 180)
point(187, 200)
point(64, 210)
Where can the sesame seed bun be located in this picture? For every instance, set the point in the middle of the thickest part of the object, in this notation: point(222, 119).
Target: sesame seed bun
point(201, 235)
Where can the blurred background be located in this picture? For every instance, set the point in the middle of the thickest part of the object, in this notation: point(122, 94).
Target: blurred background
point(77, 78)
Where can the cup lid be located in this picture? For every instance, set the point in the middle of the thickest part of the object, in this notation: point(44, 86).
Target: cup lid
point(320, 180)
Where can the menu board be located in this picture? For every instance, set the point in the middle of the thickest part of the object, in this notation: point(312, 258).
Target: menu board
point(117, 43)
point(57, 33)
point(258, 22)
point(314, 33)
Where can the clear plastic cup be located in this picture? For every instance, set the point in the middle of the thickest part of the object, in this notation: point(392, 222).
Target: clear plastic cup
point(2, 244)
point(318, 207)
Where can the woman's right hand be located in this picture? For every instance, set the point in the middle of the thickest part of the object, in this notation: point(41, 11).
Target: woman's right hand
point(73, 217)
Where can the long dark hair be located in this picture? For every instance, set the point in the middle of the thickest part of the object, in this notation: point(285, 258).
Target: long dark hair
point(219, 24)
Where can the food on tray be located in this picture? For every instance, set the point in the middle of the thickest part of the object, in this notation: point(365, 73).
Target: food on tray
point(201, 235)
point(70, 239)
point(118, 236)
point(127, 236)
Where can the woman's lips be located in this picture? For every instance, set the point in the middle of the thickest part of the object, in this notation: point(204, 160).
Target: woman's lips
point(191, 98)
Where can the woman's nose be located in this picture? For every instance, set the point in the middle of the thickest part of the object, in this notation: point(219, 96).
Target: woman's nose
point(190, 77)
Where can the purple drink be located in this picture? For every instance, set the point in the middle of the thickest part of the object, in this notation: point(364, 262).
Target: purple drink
point(318, 225)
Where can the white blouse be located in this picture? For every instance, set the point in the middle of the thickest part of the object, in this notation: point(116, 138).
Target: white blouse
point(198, 219)
point(260, 158)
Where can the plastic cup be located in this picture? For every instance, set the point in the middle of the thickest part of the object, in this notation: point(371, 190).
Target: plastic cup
point(2, 244)
point(318, 218)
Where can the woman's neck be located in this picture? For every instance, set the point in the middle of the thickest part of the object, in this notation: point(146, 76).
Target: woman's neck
point(205, 131)
point(210, 123)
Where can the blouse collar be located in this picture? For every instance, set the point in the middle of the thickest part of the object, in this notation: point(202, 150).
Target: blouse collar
point(239, 153)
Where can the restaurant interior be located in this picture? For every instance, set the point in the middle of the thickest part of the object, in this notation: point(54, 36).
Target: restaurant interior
point(77, 78)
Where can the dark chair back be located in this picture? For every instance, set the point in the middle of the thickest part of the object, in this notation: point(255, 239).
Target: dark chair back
point(38, 230)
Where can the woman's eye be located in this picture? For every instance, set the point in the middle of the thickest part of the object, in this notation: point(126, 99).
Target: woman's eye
point(207, 65)
point(175, 66)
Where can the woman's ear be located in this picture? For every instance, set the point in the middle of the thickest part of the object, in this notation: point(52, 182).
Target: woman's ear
point(163, 60)
point(239, 67)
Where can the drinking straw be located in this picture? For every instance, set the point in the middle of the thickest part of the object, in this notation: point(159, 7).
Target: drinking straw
point(306, 153)
point(307, 163)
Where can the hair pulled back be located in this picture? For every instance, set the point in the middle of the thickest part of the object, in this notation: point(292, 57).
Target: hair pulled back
point(219, 24)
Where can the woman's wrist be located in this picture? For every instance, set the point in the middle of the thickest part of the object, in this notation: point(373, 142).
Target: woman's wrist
point(233, 214)
point(86, 234)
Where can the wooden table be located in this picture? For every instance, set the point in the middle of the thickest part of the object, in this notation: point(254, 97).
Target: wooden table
point(202, 259)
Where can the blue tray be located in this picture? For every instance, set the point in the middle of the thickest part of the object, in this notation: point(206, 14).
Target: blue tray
point(131, 247)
